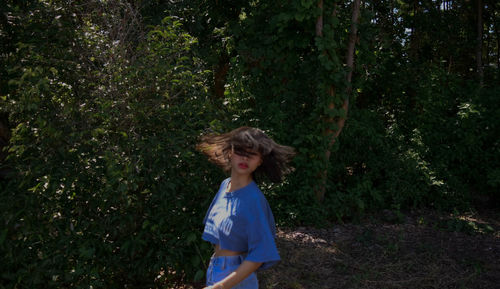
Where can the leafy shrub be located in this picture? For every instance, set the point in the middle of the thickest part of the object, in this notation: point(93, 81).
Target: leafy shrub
point(108, 190)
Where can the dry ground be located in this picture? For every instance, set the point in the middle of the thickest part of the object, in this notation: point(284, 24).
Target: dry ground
point(421, 250)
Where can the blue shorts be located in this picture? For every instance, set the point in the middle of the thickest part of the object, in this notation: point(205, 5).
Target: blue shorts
point(221, 267)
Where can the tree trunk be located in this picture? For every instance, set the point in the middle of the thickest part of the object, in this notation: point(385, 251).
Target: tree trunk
point(220, 75)
point(353, 36)
point(4, 142)
point(320, 190)
point(497, 36)
point(414, 50)
point(487, 55)
point(319, 21)
point(479, 43)
point(340, 122)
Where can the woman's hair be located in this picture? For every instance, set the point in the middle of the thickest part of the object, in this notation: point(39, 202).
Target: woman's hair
point(275, 157)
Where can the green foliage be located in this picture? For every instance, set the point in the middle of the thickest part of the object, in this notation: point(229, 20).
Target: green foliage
point(107, 99)
point(413, 134)
point(108, 190)
point(280, 81)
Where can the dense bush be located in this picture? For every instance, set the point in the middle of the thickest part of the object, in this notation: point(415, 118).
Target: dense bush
point(106, 188)
point(417, 134)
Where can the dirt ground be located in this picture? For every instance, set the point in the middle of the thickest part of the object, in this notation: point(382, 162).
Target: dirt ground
point(420, 251)
point(414, 250)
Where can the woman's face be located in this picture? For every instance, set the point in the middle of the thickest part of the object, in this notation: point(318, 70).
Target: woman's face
point(244, 161)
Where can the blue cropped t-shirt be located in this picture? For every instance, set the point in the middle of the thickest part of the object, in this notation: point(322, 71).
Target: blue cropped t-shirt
point(242, 221)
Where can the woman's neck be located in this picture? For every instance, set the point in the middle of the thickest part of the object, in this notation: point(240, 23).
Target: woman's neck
point(239, 181)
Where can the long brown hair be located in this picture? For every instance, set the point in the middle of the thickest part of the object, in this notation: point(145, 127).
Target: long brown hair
point(275, 157)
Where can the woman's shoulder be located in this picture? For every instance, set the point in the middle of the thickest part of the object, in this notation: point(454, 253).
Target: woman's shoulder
point(224, 183)
point(255, 197)
point(253, 191)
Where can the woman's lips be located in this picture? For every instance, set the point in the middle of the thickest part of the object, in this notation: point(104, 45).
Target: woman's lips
point(243, 166)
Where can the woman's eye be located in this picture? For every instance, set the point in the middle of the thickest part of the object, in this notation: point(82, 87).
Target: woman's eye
point(244, 153)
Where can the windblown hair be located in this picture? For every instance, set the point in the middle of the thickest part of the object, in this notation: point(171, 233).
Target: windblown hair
point(275, 157)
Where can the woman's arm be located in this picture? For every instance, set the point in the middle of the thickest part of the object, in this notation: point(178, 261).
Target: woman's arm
point(244, 270)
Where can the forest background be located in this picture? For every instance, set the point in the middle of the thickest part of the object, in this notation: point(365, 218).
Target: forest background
point(390, 105)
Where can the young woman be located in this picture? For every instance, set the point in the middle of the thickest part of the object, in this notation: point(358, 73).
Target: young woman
point(239, 222)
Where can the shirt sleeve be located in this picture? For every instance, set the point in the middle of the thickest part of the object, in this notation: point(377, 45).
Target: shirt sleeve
point(261, 233)
point(222, 185)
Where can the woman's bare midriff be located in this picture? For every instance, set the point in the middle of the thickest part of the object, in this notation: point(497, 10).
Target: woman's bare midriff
point(223, 252)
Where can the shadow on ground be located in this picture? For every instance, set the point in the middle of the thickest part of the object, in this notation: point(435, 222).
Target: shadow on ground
point(431, 252)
